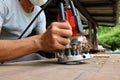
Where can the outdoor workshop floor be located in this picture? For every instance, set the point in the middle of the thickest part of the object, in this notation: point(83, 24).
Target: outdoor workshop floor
point(101, 67)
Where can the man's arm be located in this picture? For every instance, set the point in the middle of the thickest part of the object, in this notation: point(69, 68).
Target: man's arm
point(56, 37)
point(12, 49)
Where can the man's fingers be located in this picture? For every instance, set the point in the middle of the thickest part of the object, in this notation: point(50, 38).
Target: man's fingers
point(61, 30)
point(62, 25)
point(63, 41)
point(64, 33)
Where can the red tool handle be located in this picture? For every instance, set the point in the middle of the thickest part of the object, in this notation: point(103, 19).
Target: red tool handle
point(70, 18)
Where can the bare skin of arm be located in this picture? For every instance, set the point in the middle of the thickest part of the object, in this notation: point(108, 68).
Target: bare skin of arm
point(56, 37)
point(12, 49)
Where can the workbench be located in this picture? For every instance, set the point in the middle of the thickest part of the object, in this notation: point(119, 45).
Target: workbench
point(100, 67)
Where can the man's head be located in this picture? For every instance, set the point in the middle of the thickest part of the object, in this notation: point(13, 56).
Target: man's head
point(38, 2)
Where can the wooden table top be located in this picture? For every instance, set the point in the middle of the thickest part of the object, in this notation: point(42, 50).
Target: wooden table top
point(100, 67)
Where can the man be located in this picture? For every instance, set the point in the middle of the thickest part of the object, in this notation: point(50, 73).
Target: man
point(15, 15)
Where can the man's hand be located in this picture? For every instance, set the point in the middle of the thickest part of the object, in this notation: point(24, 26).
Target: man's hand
point(56, 37)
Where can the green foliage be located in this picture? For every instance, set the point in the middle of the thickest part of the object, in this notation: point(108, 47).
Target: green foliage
point(110, 35)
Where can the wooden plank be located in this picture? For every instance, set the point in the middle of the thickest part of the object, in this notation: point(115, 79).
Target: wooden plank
point(99, 8)
point(102, 15)
point(111, 69)
point(84, 11)
point(94, 1)
point(102, 4)
point(101, 67)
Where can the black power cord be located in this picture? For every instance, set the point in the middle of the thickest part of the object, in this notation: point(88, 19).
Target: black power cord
point(45, 5)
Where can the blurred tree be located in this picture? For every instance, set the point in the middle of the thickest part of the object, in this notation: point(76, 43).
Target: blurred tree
point(110, 36)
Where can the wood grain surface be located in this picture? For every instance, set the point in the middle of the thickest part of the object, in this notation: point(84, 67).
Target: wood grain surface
point(100, 67)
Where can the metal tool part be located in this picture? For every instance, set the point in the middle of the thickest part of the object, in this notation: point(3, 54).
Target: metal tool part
point(74, 52)
point(77, 50)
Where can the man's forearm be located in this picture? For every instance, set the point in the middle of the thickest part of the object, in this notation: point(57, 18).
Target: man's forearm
point(11, 49)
